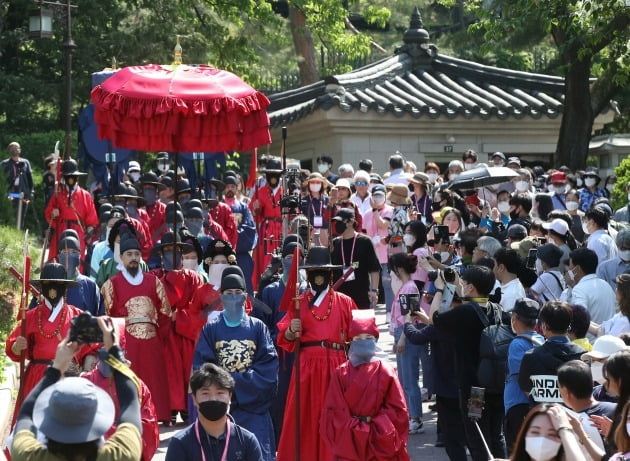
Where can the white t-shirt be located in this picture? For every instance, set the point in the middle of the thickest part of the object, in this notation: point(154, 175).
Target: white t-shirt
point(549, 285)
point(510, 292)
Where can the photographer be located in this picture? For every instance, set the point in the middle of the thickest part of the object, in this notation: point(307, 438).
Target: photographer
point(19, 176)
point(74, 414)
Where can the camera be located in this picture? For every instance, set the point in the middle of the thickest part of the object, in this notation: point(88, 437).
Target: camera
point(449, 275)
point(84, 329)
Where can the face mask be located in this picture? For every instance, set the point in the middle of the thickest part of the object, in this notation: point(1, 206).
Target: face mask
point(183, 201)
point(194, 227)
point(135, 176)
point(233, 309)
point(432, 176)
point(163, 166)
point(150, 195)
point(213, 410)
point(453, 176)
point(585, 228)
point(120, 203)
point(579, 183)
point(53, 292)
point(117, 253)
point(571, 275)
point(396, 283)
point(559, 189)
point(190, 264)
point(70, 261)
point(539, 267)
point(132, 211)
point(409, 240)
point(361, 351)
point(444, 256)
point(541, 448)
point(590, 182)
point(597, 370)
point(314, 186)
point(340, 227)
point(286, 267)
point(609, 187)
point(167, 260)
point(318, 280)
point(469, 166)
point(514, 214)
point(378, 199)
point(522, 186)
point(215, 272)
point(503, 207)
point(572, 206)
point(322, 168)
point(624, 255)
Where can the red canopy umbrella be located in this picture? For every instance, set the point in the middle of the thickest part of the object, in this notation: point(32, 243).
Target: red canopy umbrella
point(180, 109)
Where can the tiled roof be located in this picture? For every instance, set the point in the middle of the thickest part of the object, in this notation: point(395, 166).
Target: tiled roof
point(419, 82)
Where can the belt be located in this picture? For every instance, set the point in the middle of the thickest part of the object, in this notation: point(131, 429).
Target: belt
point(134, 320)
point(326, 344)
point(41, 362)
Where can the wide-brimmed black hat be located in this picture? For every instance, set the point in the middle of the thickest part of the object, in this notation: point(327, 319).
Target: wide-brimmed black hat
point(71, 168)
point(183, 186)
point(318, 257)
point(273, 166)
point(104, 211)
point(220, 185)
point(54, 272)
point(150, 178)
point(171, 239)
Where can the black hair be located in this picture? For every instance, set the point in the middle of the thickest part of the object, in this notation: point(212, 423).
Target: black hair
point(510, 259)
point(121, 226)
point(468, 239)
point(524, 200)
point(545, 205)
point(210, 374)
point(557, 315)
point(469, 154)
point(325, 159)
point(529, 322)
point(599, 216)
point(396, 161)
point(406, 261)
point(419, 231)
point(366, 165)
point(481, 278)
point(576, 376)
point(586, 259)
point(486, 261)
point(581, 321)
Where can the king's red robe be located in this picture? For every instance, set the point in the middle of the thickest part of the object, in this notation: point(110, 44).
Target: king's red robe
point(147, 313)
point(42, 338)
point(150, 428)
point(268, 219)
point(78, 213)
point(370, 390)
point(317, 365)
point(180, 285)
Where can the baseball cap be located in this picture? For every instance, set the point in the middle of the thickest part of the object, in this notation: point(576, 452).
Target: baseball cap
point(344, 214)
point(559, 226)
point(517, 232)
point(604, 347)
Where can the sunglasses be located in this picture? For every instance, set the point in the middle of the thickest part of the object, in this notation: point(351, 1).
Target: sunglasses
point(360, 183)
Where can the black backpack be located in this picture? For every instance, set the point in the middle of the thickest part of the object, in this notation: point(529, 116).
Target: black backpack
point(493, 351)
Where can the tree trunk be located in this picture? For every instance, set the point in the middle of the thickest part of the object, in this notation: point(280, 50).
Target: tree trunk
point(577, 118)
point(304, 49)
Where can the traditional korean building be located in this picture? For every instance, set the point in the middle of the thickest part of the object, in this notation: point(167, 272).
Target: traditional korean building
point(429, 106)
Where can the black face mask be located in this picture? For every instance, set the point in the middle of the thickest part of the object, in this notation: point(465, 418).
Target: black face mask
point(514, 214)
point(318, 280)
point(167, 260)
point(213, 410)
point(53, 292)
point(340, 227)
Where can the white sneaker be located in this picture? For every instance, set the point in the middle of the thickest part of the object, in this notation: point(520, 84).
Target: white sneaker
point(416, 427)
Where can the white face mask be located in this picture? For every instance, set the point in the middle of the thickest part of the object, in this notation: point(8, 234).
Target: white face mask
point(215, 271)
point(609, 187)
point(314, 186)
point(469, 166)
point(539, 267)
point(134, 176)
point(572, 206)
point(396, 283)
point(107, 231)
point(541, 448)
point(597, 370)
point(444, 256)
point(433, 177)
point(322, 168)
point(571, 275)
point(590, 182)
point(559, 189)
point(117, 253)
point(521, 186)
point(453, 175)
point(378, 199)
point(190, 264)
point(585, 228)
point(503, 207)
point(624, 255)
point(409, 240)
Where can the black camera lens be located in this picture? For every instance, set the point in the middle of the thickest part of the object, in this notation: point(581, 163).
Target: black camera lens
point(449, 275)
point(432, 275)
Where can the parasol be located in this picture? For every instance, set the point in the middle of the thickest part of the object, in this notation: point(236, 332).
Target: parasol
point(180, 109)
point(481, 177)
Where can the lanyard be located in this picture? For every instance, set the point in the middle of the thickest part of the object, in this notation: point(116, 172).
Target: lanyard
point(321, 206)
point(227, 441)
point(343, 253)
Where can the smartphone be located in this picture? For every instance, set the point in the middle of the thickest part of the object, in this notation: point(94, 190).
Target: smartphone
point(476, 402)
point(531, 258)
point(447, 297)
point(409, 303)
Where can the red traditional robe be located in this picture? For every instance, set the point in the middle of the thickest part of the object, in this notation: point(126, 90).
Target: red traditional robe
point(157, 220)
point(317, 365)
point(42, 339)
point(150, 428)
point(143, 234)
point(180, 286)
point(368, 390)
point(223, 216)
point(147, 313)
point(269, 224)
point(79, 214)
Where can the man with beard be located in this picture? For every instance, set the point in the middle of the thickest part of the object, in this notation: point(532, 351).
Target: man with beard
point(72, 207)
point(321, 327)
point(140, 298)
point(245, 229)
point(241, 344)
